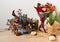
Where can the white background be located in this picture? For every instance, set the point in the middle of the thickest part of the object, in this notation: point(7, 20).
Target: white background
point(27, 6)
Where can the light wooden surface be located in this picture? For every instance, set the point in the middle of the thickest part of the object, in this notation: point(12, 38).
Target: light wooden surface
point(8, 36)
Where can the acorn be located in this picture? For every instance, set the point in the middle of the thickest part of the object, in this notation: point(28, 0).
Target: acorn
point(33, 33)
point(52, 37)
point(18, 33)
